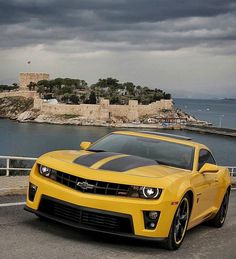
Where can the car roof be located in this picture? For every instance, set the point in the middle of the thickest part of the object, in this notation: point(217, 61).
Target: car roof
point(166, 135)
point(163, 136)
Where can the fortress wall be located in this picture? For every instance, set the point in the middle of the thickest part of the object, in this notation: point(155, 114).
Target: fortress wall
point(104, 110)
point(119, 110)
point(85, 110)
point(154, 107)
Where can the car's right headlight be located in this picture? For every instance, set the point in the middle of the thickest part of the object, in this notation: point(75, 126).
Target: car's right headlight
point(47, 172)
point(44, 170)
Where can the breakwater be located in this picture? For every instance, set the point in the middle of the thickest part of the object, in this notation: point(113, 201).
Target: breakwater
point(211, 130)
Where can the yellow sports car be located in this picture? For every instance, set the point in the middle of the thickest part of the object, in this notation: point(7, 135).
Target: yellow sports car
point(141, 184)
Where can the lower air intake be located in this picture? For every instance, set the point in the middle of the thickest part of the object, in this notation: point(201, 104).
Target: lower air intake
point(82, 216)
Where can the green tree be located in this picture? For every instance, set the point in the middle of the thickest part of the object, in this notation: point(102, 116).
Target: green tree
point(44, 86)
point(83, 84)
point(92, 98)
point(108, 82)
point(66, 98)
point(32, 86)
point(115, 99)
point(167, 96)
point(130, 87)
point(15, 86)
point(4, 88)
point(83, 98)
point(74, 99)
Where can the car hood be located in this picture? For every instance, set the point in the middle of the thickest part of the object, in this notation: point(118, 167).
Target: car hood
point(114, 162)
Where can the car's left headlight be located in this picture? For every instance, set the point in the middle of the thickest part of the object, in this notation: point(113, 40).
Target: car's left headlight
point(145, 192)
point(150, 192)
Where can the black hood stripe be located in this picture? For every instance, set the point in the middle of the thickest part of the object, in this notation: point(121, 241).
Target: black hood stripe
point(123, 164)
point(90, 159)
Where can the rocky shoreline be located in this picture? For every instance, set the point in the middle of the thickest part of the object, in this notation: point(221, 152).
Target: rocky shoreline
point(21, 110)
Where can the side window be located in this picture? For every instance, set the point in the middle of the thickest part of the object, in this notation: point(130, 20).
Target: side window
point(205, 157)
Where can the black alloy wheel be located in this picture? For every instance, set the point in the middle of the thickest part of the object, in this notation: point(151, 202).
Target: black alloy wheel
point(179, 225)
point(219, 219)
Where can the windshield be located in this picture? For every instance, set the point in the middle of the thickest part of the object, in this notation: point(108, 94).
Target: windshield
point(163, 152)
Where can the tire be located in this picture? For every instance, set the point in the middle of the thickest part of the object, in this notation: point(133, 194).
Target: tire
point(219, 219)
point(179, 225)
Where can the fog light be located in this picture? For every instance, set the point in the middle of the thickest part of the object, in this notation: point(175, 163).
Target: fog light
point(151, 219)
point(152, 225)
point(32, 191)
point(153, 214)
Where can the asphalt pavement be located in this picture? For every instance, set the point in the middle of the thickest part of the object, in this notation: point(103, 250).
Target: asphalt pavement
point(23, 235)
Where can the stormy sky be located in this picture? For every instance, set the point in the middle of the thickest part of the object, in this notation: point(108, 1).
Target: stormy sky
point(185, 47)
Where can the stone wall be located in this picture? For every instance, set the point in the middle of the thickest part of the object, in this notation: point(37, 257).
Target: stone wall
point(26, 78)
point(103, 111)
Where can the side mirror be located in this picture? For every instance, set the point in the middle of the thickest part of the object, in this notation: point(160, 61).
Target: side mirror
point(85, 144)
point(209, 168)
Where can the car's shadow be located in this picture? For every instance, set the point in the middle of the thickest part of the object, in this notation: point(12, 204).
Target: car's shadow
point(86, 236)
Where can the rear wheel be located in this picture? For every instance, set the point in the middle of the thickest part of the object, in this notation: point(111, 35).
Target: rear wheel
point(219, 219)
point(179, 225)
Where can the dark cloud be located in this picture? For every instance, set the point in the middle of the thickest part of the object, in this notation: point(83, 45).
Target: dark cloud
point(129, 11)
point(138, 24)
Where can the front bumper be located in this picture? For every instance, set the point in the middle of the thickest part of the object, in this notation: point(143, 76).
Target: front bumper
point(74, 224)
point(131, 207)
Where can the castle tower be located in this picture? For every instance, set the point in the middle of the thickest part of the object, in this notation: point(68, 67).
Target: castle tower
point(26, 78)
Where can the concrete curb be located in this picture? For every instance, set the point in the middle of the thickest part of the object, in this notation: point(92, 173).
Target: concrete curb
point(13, 191)
point(13, 185)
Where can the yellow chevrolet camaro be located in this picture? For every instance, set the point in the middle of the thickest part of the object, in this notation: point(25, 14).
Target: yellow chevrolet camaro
point(146, 185)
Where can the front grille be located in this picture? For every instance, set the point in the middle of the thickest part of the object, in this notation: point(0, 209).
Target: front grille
point(93, 186)
point(90, 218)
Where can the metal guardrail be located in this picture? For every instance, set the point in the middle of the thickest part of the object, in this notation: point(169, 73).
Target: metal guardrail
point(232, 171)
point(10, 166)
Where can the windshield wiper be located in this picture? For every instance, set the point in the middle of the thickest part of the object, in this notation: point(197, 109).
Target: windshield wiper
point(96, 150)
point(161, 163)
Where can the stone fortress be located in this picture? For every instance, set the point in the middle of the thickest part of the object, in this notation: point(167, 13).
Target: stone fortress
point(102, 111)
point(26, 78)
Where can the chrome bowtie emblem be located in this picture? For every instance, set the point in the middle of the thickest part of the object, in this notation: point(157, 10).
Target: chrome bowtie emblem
point(85, 185)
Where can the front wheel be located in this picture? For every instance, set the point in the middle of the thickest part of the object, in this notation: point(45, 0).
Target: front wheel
point(219, 219)
point(179, 225)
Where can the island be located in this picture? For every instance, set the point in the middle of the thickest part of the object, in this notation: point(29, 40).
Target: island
point(108, 102)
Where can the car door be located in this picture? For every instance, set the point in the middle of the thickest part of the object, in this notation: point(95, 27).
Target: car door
point(205, 186)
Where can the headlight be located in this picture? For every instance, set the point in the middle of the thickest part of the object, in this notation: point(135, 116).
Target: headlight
point(44, 170)
point(145, 192)
point(48, 172)
point(149, 192)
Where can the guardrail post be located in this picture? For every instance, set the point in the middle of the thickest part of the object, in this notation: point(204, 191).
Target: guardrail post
point(8, 166)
